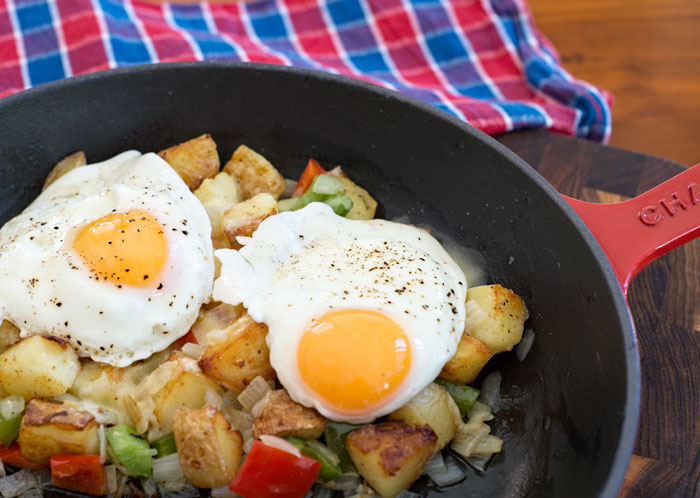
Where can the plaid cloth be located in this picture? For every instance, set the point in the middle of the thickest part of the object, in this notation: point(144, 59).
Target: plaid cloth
point(481, 60)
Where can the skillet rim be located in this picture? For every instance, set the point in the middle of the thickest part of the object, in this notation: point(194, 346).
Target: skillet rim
point(627, 438)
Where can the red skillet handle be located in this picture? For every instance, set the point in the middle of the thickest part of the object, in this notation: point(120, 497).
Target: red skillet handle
point(635, 232)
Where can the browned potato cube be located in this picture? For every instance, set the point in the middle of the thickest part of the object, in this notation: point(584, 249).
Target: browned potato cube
point(22, 374)
point(193, 160)
point(495, 315)
point(363, 205)
point(254, 173)
point(239, 353)
point(281, 416)
point(242, 219)
point(208, 449)
point(50, 428)
point(435, 407)
point(391, 455)
point(63, 166)
point(471, 356)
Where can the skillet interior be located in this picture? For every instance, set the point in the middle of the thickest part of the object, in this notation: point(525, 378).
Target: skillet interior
point(570, 410)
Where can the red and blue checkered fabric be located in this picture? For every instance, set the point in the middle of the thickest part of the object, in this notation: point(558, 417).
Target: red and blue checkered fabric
point(481, 60)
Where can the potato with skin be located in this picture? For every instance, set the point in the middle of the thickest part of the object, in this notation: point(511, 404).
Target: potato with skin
point(9, 335)
point(68, 163)
point(432, 406)
point(236, 355)
point(471, 356)
point(193, 160)
point(50, 428)
point(390, 456)
point(281, 416)
point(363, 204)
point(242, 219)
point(254, 173)
point(39, 366)
point(496, 316)
point(208, 449)
point(217, 195)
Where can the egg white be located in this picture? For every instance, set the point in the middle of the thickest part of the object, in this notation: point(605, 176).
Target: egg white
point(300, 265)
point(47, 289)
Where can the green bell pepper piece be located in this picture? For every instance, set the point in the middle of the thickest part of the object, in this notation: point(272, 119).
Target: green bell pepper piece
point(335, 436)
point(464, 396)
point(330, 468)
point(165, 446)
point(9, 429)
point(130, 450)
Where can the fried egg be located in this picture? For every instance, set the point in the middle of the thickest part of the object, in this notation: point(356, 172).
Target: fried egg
point(114, 257)
point(362, 315)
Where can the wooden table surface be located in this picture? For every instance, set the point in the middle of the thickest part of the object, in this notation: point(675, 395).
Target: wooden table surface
point(665, 303)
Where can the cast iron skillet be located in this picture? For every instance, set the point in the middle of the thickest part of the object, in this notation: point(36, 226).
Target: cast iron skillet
point(570, 409)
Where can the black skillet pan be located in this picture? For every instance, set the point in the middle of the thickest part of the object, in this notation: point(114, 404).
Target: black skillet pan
point(570, 409)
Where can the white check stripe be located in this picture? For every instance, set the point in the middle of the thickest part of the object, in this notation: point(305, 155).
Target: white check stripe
point(19, 43)
point(147, 42)
point(172, 24)
point(58, 29)
point(212, 29)
point(104, 33)
point(253, 36)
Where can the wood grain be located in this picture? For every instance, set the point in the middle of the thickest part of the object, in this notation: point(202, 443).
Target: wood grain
point(664, 300)
point(647, 53)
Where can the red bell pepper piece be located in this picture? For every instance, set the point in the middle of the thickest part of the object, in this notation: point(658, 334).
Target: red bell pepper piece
point(269, 472)
point(79, 473)
point(188, 337)
point(12, 456)
point(312, 170)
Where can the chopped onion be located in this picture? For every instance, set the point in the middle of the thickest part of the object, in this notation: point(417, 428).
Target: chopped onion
point(103, 443)
point(465, 442)
point(223, 492)
point(491, 391)
point(522, 349)
point(43, 477)
point(478, 414)
point(11, 406)
point(193, 350)
point(257, 409)
point(255, 391)
point(2, 469)
point(230, 400)
point(32, 493)
point(17, 483)
point(167, 468)
point(322, 492)
point(488, 446)
point(111, 479)
point(435, 465)
point(289, 186)
point(479, 462)
point(248, 444)
point(451, 475)
point(347, 481)
point(212, 398)
point(185, 490)
point(150, 487)
point(280, 444)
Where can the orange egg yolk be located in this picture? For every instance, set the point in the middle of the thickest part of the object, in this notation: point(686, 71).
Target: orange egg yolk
point(124, 248)
point(354, 360)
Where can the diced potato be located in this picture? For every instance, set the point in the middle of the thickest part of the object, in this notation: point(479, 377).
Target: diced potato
point(254, 173)
point(208, 449)
point(281, 416)
point(63, 166)
point(9, 335)
point(38, 367)
point(435, 407)
point(238, 354)
point(50, 428)
point(193, 160)
point(496, 316)
point(391, 455)
point(471, 356)
point(217, 195)
point(177, 383)
point(106, 386)
point(363, 205)
point(242, 219)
